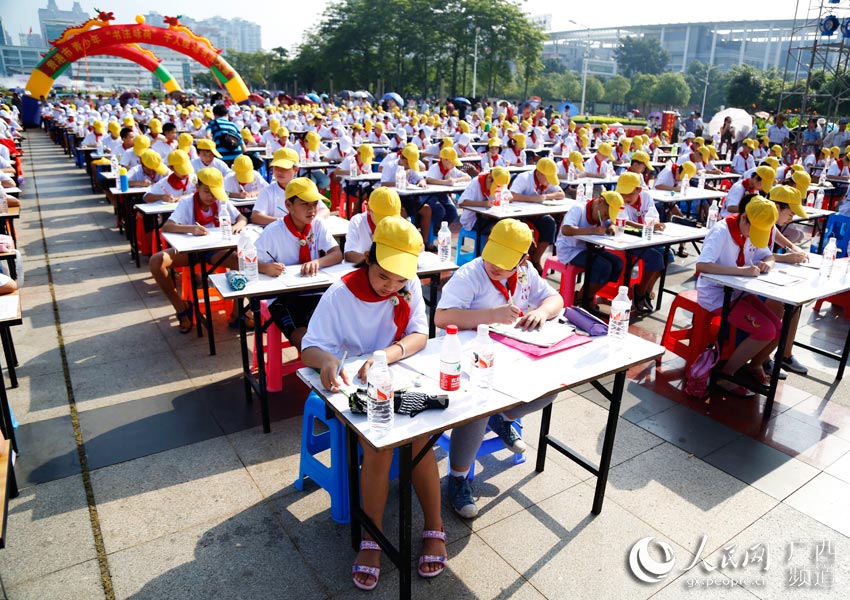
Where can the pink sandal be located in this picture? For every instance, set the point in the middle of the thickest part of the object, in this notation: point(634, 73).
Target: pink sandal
point(427, 559)
point(373, 571)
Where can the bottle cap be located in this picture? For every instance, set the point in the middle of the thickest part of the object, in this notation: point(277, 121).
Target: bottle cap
point(624, 290)
point(483, 328)
point(451, 329)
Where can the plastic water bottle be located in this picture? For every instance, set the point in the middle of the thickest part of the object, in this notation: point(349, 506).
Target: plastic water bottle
point(713, 213)
point(683, 186)
point(353, 169)
point(123, 181)
point(113, 166)
point(224, 224)
point(810, 200)
point(450, 354)
point(269, 148)
point(655, 154)
point(481, 360)
point(400, 178)
point(649, 220)
point(4, 201)
point(815, 245)
point(507, 197)
point(723, 148)
point(444, 242)
point(620, 225)
point(580, 193)
point(497, 197)
point(571, 172)
point(588, 190)
point(99, 147)
point(621, 307)
point(701, 181)
point(729, 155)
point(822, 180)
point(379, 384)
point(828, 261)
point(249, 257)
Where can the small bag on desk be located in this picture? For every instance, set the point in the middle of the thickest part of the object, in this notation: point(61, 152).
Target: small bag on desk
point(237, 280)
point(405, 402)
point(585, 321)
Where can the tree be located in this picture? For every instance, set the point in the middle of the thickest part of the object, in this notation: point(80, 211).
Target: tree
point(616, 89)
point(640, 55)
point(594, 90)
point(715, 93)
point(672, 90)
point(746, 87)
point(642, 89)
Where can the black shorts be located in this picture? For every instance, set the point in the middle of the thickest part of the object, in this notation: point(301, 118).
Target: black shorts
point(293, 311)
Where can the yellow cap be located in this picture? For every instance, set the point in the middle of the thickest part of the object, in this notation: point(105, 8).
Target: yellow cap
point(128, 121)
point(152, 160)
point(384, 202)
point(772, 162)
point(499, 176)
point(777, 150)
point(114, 127)
point(247, 135)
point(797, 167)
point(450, 154)
point(549, 169)
point(507, 244)
point(704, 153)
point(282, 132)
point(688, 170)
point(97, 127)
point(286, 158)
point(303, 188)
point(140, 144)
point(615, 203)
point(762, 215)
point(604, 149)
point(494, 142)
point(397, 246)
point(184, 141)
point(577, 159)
point(626, 143)
point(411, 153)
point(180, 163)
point(642, 157)
point(767, 175)
point(627, 183)
point(312, 140)
point(155, 125)
point(207, 144)
point(366, 152)
point(244, 169)
point(519, 138)
point(802, 181)
point(211, 177)
point(790, 196)
point(836, 151)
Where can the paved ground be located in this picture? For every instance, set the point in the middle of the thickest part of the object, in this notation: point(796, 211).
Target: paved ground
point(144, 473)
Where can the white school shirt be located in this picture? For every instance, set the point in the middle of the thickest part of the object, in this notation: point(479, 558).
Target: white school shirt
point(718, 248)
point(435, 173)
point(184, 214)
point(91, 140)
point(343, 322)
point(271, 201)
point(388, 174)
point(834, 170)
point(488, 161)
point(359, 237)
point(130, 159)
point(513, 159)
point(163, 148)
point(137, 174)
point(472, 192)
point(470, 288)
point(524, 184)
point(592, 166)
point(278, 241)
point(742, 165)
point(733, 197)
point(232, 185)
point(216, 163)
point(162, 187)
point(666, 177)
point(637, 213)
point(567, 246)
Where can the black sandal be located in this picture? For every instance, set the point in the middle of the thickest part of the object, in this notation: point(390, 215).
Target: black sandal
point(681, 252)
point(185, 318)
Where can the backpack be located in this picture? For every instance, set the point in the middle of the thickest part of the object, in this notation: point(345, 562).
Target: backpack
point(696, 377)
point(229, 142)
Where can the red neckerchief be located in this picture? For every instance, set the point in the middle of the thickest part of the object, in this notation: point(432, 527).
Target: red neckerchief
point(589, 213)
point(200, 216)
point(482, 182)
point(566, 163)
point(541, 187)
point(177, 182)
point(599, 162)
point(674, 168)
point(463, 148)
point(444, 172)
point(303, 246)
point(358, 284)
point(504, 290)
point(371, 223)
point(733, 222)
point(747, 188)
point(840, 163)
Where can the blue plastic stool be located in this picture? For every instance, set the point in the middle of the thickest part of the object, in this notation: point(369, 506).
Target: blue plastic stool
point(488, 446)
point(333, 479)
point(465, 257)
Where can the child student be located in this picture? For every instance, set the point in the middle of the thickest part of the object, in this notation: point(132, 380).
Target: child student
point(177, 184)
point(738, 245)
point(383, 202)
point(444, 172)
point(243, 181)
point(537, 186)
point(194, 214)
point(297, 239)
point(385, 297)
point(480, 192)
point(209, 156)
point(497, 287)
point(594, 217)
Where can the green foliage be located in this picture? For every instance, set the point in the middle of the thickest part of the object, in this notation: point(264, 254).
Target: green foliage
point(595, 91)
point(746, 87)
point(593, 120)
point(616, 89)
point(671, 89)
point(640, 55)
point(258, 69)
point(642, 89)
point(557, 87)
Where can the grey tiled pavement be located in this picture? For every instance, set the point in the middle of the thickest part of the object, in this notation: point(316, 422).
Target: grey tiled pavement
point(188, 499)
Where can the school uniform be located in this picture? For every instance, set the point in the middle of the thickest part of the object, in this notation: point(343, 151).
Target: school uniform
point(232, 185)
point(442, 207)
point(280, 243)
point(176, 186)
point(475, 191)
point(734, 196)
point(130, 159)
point(837, 168)
point(513, 157)
point(606, 267)
point(360, 230)
point(185, 213)
point(411, 204)
point(216, 163)
point(91, 139)
point(164, 148)
point(654, 259)
point(525, 184)
point(741, 164)
point(488, 161)
point(137, 174)
point(596, 165)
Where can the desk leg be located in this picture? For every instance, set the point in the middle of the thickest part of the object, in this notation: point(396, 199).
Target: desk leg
point(354, 487)
point(6, 415)
point(193, 261)
point(627, 270)
point(844, 356)
point(243, 347)
point(405, 469)
point(434, 285)
point(787, 317)
point(9, 352)
point(608, 442)
point(663, 279)
point(131, 235)
point(205, 283)
point(723, 333)
point(542, 444)
point(261, 366)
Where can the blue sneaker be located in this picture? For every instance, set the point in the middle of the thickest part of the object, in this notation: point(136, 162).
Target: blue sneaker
point(460, 496)
point(507, 433)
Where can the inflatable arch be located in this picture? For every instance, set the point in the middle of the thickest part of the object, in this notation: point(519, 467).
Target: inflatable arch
point(135, 53)
point(79, 42)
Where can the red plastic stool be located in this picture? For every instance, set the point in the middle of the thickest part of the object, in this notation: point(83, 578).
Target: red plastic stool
point(216, 301)
point(274, 345)
point(569, 273)
point(690, 342)
point(610, 290)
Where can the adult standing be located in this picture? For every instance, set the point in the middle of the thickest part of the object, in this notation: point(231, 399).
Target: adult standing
point(778, 132)
point(225, 134)
point(811, 138)
point(839, 137)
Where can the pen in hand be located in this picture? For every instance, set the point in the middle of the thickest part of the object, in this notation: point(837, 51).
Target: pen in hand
point(341, 363)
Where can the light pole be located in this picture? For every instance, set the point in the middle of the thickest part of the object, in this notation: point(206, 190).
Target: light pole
point(584, 64)
point(475, 64)
point(705, 89)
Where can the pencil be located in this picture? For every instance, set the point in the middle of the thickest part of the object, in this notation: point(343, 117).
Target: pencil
point(341, 363)
point(271, 256)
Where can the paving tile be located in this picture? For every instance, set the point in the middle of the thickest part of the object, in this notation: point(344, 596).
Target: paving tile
point(559, 545)
point(765, 468)
point(48, 530)
point(272, 459)
point(684, 497)
point(157, 495)
point(840, 468)
point(241, 556)
point(79, 581)
point(825, 499)
point(48, 451)
point(831, 417)
point(39, 397)
point(808, 443)
point(779, 530)
point(84, 350)
point(92, 320)
point(685, 428)
point(722, 587)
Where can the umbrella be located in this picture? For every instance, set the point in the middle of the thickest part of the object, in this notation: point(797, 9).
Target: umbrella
point(256, 99)
point(305, 99)
point(531, 104)
point(568, 106)
point(285, 99)
point(346, 94)
point(363, 95)
point(762, 114)
point(741, 121)
point(394, 97)
point(654, 115)
point(314, 97)
point(462, 100)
